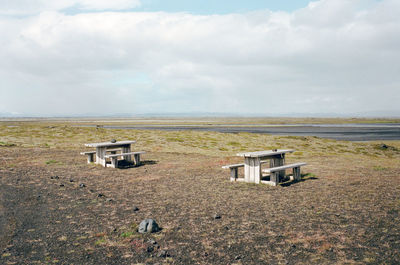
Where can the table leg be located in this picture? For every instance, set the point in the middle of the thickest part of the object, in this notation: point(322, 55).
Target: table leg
point(100, 153)
point(127, 149)
point(252, 170)
point(277, 161)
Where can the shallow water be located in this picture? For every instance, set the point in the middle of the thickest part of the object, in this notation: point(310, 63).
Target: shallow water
point(348, 132)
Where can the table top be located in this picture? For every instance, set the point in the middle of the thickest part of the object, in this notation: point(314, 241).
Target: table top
point(265, 153)
point(107, 144)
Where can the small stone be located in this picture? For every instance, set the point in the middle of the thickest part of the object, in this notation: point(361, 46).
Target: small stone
point(148, 226)
point(238, 257)
point(113, 140)
point(383, 146)
point(82, 185)
point(135, 209)
point(61, 185)
point(109, 200)
point(100, 195)
point(150, 249)
point(163, 254)
point(153, 242)
point(54, 177)
point(71, 180)
point(217, 216)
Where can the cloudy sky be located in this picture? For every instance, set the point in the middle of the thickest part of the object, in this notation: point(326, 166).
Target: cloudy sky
point(87, 57)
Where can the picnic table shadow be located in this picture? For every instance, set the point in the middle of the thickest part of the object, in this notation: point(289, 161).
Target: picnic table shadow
point(123, 164)
point(287, 182)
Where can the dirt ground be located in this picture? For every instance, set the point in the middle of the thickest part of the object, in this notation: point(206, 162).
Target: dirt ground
point(57, 209)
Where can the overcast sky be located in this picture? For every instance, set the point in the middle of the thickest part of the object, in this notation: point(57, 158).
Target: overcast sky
point(80, 57)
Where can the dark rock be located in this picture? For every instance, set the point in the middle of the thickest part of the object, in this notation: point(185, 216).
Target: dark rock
point(383, 146)
point(71, 180)
point(217, 216)
point(61, 185)
point(100, 195)
point(135, 209)
point(113, 140)
point(54, 177)
point(238, 257)
point(82, 185)
point(109, 200)
point(150, 249)
point(148, 226)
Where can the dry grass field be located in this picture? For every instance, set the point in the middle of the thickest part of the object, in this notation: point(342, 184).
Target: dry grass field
point(57, 209)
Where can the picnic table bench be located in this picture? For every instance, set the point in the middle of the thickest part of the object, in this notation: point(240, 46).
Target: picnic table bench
point(114, 158)
point(112, 147)
point(253, 162)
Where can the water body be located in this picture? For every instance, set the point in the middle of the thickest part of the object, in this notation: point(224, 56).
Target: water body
point(347, 132)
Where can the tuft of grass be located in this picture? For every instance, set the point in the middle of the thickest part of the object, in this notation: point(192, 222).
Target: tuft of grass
point(127, 234)
point(52, 161)
point(100, 241)
point(6, 144)
point(379, 168)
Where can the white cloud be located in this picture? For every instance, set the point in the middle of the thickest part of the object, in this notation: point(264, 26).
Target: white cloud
point(333, 56)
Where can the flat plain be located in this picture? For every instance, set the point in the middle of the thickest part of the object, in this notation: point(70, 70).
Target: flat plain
point(56, 208)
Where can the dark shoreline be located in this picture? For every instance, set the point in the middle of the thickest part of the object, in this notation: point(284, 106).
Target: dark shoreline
point(346, 132)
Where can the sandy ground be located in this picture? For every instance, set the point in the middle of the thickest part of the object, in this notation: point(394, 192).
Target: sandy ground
point(345, 211)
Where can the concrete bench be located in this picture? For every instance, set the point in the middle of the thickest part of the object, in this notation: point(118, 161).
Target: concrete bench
point(114, 158)
point(274, 172)
point(234, 170)
point(91, 154)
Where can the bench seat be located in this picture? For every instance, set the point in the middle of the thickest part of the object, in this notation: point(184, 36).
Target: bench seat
point(234, 170)
point(90, 156)
point(114, 157)
point(274, 171)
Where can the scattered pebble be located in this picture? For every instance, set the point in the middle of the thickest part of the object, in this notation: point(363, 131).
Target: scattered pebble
point(150, 249)
point(61, 185)
point(217, 216)
point(100, 195)
point(163, 254)
point(153, 242)
point(82, 185)
point(54, 177)
point(109, 200)
point(71, 180)
point(135, 209)
point(238, 257)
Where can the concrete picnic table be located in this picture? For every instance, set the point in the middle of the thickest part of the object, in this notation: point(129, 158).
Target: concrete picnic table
point(101, 149)
point(252, 162)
